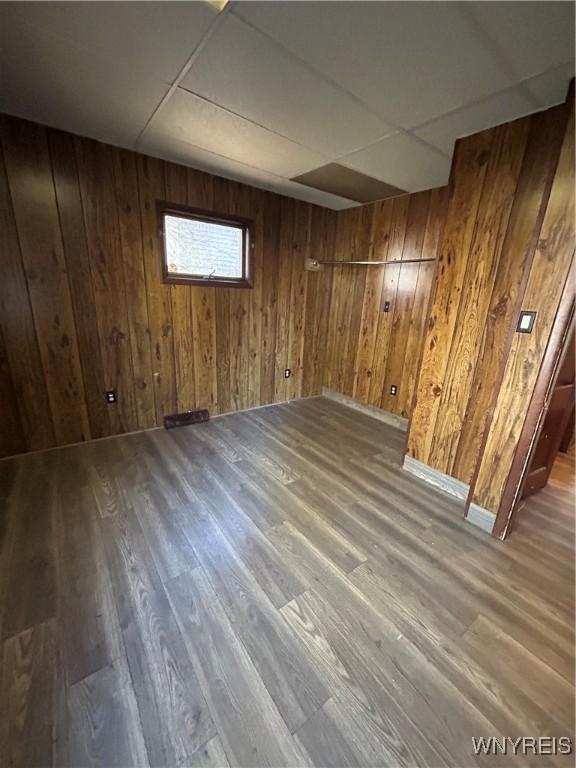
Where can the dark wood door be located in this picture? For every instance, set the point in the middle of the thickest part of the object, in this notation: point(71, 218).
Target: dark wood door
point(560, 411)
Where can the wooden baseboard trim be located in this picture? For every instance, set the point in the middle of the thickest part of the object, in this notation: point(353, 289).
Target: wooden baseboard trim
point(480, 517)
point(433, 476)
point(376, 413)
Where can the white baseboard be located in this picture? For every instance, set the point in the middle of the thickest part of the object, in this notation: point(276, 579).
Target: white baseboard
point(481, 517)
point(376, 413)
point(433, 476)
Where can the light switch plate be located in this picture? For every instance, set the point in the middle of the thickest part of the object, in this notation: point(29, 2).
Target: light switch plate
point(526, 321)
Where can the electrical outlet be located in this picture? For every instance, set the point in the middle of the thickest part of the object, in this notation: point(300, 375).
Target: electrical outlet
point(386, 306)
point(393, 389)
point(287, 373)
point(111, 396)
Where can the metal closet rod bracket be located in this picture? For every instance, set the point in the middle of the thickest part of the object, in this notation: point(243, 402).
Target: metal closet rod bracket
point(314, 265)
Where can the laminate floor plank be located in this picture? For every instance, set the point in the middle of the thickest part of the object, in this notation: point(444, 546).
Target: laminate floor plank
point(210, 755)
point(270, 588)
point(255, 551)
point(431, 678)
point(32, 709)
point(351, 672)
point(286, 672)
point(30, 571)
point(84, 589)
point(105, 728)
point(504, 657)
point(174, 715)
point(248, 722)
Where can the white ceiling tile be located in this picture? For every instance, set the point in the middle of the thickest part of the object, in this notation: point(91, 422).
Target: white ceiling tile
point(411, 61)
point(532, 36)
point(505, 106)
point(192, 120)
point(168, 148)
point(242, 70)
point(100, 69)
point(151, 39)
point(551, 87)
point(402, 161)
point(60, 85)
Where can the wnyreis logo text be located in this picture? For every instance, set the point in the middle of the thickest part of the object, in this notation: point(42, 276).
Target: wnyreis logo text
point(522, 745)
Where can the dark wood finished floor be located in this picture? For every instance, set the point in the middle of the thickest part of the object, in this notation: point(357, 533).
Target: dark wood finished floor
point(270, 588)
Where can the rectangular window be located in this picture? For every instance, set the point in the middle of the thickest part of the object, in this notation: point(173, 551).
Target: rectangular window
point(203, 248)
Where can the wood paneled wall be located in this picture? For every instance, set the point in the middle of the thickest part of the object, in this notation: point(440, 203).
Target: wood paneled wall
point(368, 349)
point(508, 243)
point(83, 308)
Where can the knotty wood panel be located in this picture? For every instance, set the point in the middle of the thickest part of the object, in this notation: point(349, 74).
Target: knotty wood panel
point(111, 295)
point(546, 133)
point(323, 233)
point(32, 191)
point(508, 144)
point(548, 274)
point(83, 308)
point(71, 217)
point(468, 172)
point(11, 432)
point(369, 349)
point(508, 243)
point(20, 341)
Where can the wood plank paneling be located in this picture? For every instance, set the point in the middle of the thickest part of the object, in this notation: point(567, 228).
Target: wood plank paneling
point(152, 186)
point(393, 252)
point(12, 440)
point(66, 184)
point(322, 239)
point(201, 195)
point(371, 304)
point(508, 244)
point(181, 299)
point(298, 291)
point(530, 200)
point(20, 340)
point(36, 214)
point(86, 268)
point(498, 193)
point(370, 348)
point(96, 173)
point(468, 171)
point(404, 304)
point(128, 205)
point(548, 274)
point(284, 280)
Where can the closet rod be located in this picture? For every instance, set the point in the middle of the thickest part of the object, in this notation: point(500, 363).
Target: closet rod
point(370, 263)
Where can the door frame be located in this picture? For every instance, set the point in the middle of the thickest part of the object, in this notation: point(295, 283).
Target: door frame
point(538, 408)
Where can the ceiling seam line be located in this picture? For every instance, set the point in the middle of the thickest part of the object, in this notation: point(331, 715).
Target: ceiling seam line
point(503, 91)
point(261, 170)
point(229, 111)
point(213, 27)
point(337, 86)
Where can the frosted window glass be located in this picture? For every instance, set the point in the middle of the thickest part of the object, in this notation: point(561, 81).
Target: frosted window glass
point(202, 248)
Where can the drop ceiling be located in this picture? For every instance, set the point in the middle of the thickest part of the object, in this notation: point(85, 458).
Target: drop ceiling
point(264, 92)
